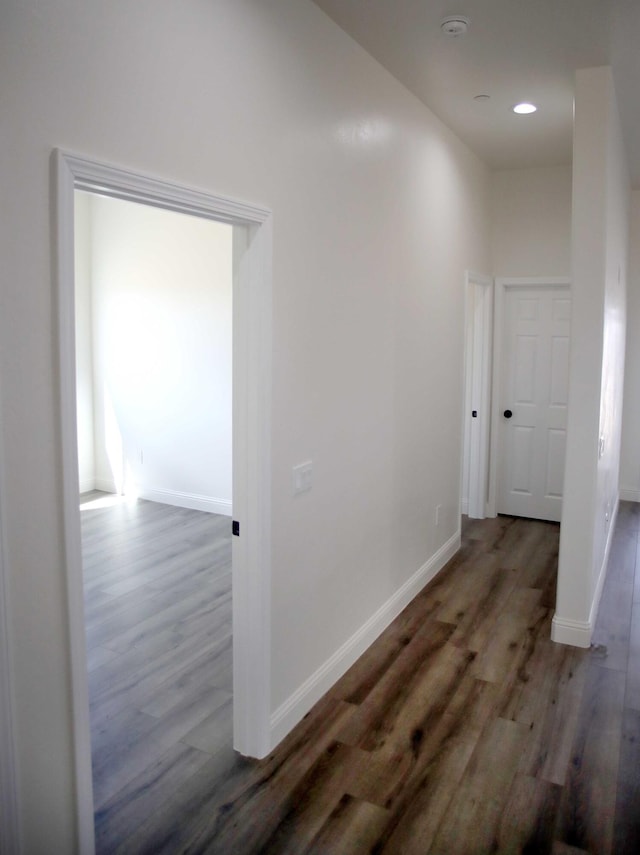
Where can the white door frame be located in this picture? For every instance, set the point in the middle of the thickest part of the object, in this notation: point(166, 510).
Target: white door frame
point(502, 283)
point(252, 246)
point(9, 822)
point(477, 396)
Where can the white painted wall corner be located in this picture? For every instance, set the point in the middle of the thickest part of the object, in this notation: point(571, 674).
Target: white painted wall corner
point(578, 633)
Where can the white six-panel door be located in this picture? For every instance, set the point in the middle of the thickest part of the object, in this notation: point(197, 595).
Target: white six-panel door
point(534, 387)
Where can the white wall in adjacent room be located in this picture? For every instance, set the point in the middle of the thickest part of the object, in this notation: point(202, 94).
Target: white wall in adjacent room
point(84, 343)
point(162, 288)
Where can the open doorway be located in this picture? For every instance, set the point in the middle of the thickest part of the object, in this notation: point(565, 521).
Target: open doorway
point(154, 320)
point(251, 447)
point(153, 291)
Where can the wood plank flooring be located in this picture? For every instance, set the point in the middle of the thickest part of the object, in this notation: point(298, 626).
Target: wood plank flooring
point(158, 624)
point(463, 729)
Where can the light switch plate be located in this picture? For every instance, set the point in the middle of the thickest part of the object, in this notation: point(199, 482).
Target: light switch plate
point(302, 477)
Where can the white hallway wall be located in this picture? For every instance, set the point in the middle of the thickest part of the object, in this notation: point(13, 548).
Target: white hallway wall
point(271, 103)
point(630, 457)
point(531, 222)
point(160, 298)
point(600, 235)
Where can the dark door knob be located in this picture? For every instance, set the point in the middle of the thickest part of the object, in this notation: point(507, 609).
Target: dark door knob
point(507, 414)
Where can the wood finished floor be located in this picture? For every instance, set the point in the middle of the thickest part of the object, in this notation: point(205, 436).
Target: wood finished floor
point(463, 729)
point(158, 624)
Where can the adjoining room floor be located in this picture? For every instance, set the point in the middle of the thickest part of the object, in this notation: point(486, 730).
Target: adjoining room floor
point(158, 620)
point(463, 729)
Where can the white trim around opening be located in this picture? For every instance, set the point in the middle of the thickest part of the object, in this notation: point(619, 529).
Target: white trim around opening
point(477, 345)
point(9, 822)
point(251, 445)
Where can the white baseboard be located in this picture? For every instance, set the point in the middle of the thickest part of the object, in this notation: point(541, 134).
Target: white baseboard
point(573, 632)
point(464, 506)
point(288, 714)
point(629, 495)
point(105, 485)
point(88, 485)
point(578, 633)
point(188, 500)
point(173, 497)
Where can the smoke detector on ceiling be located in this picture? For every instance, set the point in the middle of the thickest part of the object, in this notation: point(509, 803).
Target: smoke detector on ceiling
point(455, 25)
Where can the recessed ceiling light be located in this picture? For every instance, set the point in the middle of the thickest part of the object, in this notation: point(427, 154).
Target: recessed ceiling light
point(524, 108)
point(481, 97)
point(455, 25)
